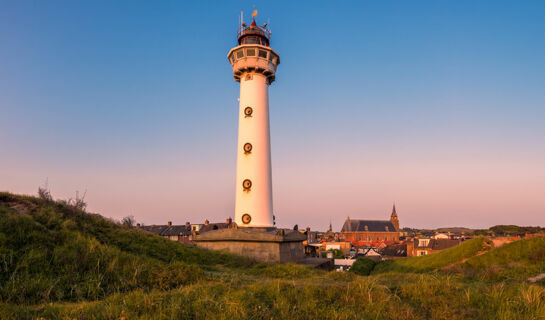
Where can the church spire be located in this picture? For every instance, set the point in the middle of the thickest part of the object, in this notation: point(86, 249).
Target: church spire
point(393, 218)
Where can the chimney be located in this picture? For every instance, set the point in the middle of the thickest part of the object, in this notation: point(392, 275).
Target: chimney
point(169, 223)
point(206, 222)
point(229, 220)
point(187, 223)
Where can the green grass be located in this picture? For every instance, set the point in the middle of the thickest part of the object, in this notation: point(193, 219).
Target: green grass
point(517, 260)
point(53, 252)
point(437, 260)
point(57, 262)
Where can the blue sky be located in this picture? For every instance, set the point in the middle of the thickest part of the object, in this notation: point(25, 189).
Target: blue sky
point(437, 105)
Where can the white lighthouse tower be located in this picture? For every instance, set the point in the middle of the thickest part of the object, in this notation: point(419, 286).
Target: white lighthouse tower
point(254, 66)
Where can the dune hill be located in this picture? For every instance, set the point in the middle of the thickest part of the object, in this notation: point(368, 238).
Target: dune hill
point(59, 262)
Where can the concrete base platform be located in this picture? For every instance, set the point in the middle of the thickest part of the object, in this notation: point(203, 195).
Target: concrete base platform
point(268, 245)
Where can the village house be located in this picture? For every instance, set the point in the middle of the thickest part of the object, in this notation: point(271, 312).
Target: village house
point(371, 233)
point(183, 233)
point(425, 246)
point(180, 233)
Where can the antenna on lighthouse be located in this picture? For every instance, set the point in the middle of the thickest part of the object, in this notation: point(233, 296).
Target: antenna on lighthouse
point(241, 17)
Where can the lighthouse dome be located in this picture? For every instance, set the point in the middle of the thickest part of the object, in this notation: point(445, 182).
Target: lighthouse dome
point(254, 34)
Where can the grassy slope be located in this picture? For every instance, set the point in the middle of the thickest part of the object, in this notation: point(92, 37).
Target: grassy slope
point(435, 261)
point(517, 260)
point(94, 269)
point(476, 258)
point(53, 252)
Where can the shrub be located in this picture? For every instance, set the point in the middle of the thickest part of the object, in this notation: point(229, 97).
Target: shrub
point(363, 266)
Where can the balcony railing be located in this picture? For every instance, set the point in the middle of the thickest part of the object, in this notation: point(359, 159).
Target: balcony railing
point(247, 30)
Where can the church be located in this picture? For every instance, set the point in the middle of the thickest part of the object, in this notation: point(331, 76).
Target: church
point(371, 232)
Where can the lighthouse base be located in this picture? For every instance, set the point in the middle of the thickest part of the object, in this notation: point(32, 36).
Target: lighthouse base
point(269, 245)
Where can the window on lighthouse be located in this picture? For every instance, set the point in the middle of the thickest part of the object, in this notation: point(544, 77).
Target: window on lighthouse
point(240, 54)
point(247, 184)
point(248, 111)
point(250, 52)
point(262, 54)
point(251, 40)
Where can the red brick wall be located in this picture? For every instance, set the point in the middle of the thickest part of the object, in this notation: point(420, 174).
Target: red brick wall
point(369, 237)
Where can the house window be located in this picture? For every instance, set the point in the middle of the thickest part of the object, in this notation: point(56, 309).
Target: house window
point(368, 238)
point(421, 253)
point(423, 242)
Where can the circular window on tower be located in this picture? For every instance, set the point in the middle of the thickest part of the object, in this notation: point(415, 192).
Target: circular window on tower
point(246, 218)
point(247, 147)
point(248, 111)
point(247, 184)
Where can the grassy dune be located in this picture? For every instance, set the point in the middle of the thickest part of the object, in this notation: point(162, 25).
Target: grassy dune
point(53, 252)
point(436, 261)
point(57, 262)
point(513, 261)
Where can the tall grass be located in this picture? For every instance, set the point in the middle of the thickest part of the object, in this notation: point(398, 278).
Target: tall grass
point(388, 296)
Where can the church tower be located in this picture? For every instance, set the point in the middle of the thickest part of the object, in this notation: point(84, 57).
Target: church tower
point(394, 219)
point(254, 65)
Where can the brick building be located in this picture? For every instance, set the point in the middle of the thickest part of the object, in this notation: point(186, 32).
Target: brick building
point(364, 233)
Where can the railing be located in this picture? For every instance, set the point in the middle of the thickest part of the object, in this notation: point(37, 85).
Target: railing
point(243, 30)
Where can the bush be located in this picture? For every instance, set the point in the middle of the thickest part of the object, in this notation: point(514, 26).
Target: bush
point(363, 266)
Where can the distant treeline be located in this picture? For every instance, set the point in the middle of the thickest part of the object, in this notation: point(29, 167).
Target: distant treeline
point(510, 230)
point(498, 230)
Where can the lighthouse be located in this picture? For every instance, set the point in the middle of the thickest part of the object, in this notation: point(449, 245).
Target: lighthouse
point(254, 65)
point(254, 234)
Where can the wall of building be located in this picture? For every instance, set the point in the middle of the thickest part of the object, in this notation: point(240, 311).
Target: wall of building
point(367, 236)
point(268, 252)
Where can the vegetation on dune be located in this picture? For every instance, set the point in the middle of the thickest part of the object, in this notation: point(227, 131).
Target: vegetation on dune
point(58, 262)
point(363, 266)
point(435, 261)
point(286, 271)
point(388, 296)
point(516, 260)
point(52, 251)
